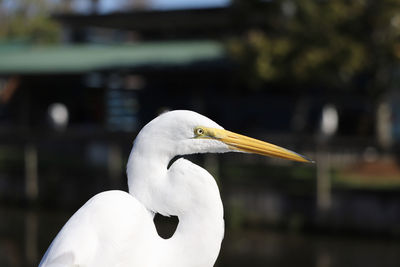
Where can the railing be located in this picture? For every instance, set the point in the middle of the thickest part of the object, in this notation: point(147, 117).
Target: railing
point(99, 150)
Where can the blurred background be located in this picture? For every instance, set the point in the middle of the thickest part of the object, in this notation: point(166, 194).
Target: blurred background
point(78, 80)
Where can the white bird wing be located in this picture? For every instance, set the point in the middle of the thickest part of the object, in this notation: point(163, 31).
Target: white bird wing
point(111, 229)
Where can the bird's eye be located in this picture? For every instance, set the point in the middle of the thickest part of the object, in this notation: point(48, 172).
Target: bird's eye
point(199, 131)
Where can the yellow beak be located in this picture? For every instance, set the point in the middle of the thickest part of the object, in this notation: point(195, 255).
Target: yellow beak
point(247, 144)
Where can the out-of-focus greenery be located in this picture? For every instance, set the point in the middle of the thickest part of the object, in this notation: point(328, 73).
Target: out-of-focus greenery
point(28, 20)
point(342, 43)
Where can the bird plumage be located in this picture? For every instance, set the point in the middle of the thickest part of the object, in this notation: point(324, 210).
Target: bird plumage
point(116, 228)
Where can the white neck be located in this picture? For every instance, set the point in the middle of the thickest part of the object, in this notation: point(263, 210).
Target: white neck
point(196, 242)
point(187, 191)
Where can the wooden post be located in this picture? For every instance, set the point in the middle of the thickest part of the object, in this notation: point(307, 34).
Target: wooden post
point(324, 197)
point(31, 172)
point(329, 126)
point(31, 238)
point(115, 165)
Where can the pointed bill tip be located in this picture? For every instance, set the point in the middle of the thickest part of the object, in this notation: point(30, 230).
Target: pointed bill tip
point(250, 145)
point(301, 157)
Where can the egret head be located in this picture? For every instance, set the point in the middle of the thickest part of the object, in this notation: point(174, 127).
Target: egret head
point(179, 133)
point(184, 132)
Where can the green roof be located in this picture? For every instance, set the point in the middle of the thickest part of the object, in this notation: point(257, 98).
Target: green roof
point(89, 57)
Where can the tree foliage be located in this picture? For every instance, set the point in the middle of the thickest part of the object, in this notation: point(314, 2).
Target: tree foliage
point(338, 42)
point(28, 20)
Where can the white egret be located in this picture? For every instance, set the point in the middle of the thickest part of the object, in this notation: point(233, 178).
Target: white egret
point(116, 228)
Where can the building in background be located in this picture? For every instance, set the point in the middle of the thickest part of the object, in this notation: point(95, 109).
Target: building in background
point(69, 113)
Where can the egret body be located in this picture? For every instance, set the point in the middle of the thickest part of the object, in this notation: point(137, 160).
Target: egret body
point(116, 228)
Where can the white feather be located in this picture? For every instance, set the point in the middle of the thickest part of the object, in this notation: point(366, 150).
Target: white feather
point(115, 228)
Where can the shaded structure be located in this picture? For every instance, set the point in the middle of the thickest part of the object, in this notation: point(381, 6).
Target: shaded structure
point(115, 72)
point(205, 23)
